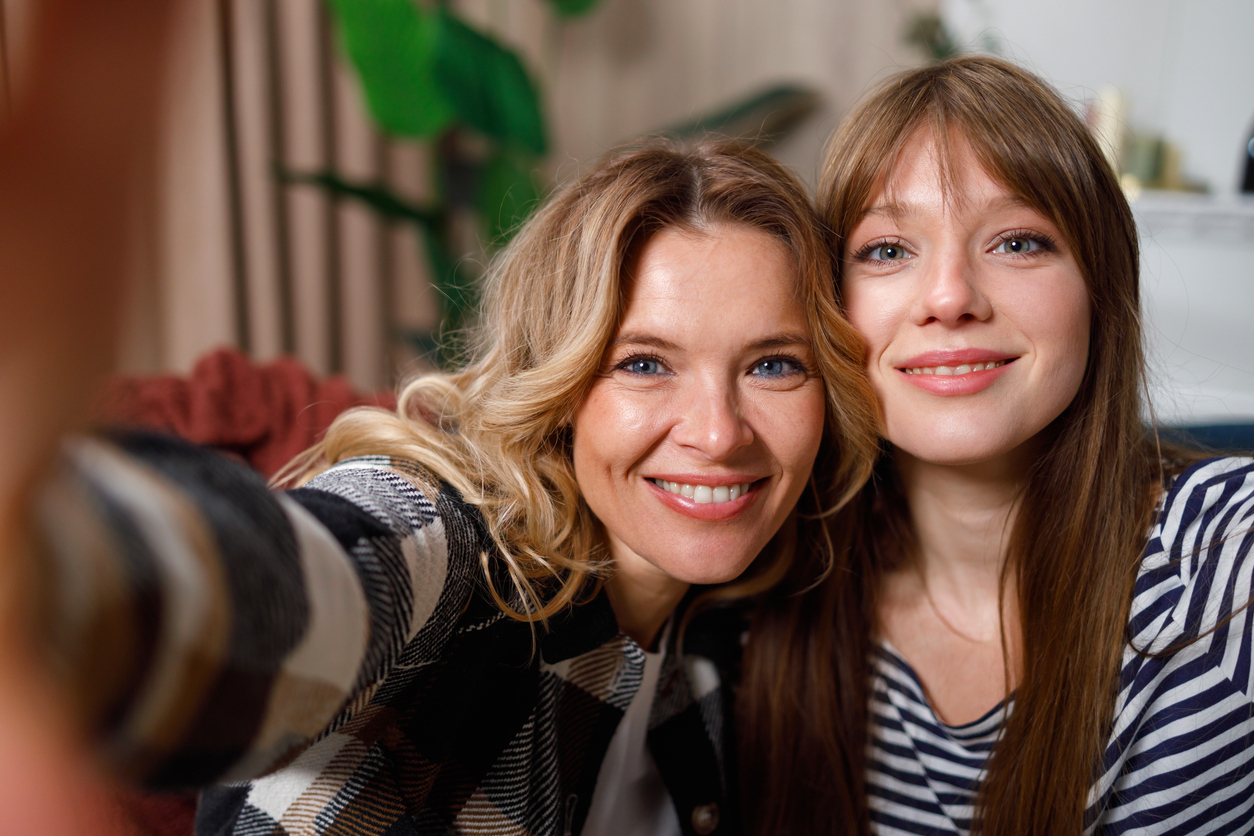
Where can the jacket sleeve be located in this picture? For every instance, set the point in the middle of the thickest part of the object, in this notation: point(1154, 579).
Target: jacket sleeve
point(211, 629)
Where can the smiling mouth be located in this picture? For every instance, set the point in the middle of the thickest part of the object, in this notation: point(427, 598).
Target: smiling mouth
point(704, 494)
point(954, 371)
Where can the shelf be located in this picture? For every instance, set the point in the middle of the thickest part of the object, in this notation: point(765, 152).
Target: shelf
point(1194, 217)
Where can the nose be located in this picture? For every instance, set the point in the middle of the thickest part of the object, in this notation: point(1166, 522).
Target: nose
point(950, 292)
point(712, 422)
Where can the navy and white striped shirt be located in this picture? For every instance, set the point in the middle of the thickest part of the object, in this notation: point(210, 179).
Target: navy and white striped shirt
point(1180, 759)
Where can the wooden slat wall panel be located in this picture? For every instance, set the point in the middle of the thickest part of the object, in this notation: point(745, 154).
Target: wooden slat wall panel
point(263, 207)
point(309, 210)
point(364, 279)
point(194, 248)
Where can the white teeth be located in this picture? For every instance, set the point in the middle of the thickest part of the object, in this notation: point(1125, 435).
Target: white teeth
point(956, 370)
point(705, 494)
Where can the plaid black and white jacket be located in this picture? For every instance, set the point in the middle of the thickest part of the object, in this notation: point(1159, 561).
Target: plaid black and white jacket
point(339, 642)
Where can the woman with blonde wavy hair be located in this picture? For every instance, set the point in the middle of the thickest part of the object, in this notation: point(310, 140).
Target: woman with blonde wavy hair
point(1041, 623)
point(505, 607)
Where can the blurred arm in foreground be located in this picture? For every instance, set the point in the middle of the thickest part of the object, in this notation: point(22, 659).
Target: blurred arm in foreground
point(71, 152)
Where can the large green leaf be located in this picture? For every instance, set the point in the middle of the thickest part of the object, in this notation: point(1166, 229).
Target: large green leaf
point(507, 195)
point(487, 85)
point(392, 45)
point(574, 8)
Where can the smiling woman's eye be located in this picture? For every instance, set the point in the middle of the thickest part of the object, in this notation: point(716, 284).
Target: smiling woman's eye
point(772, 367)
point(1017, 245)
point(1022, 243)
point(641, 365)
point(882, 251)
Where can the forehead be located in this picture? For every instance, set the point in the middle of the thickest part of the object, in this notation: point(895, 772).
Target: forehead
point(681, 279)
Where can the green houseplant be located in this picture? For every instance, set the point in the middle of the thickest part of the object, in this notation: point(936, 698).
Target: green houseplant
point(429, 76)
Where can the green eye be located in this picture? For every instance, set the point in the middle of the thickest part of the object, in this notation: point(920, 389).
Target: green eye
point(888, 252)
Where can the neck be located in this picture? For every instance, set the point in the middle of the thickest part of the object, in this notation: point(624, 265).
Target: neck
point(962, 516)
point(642, 597)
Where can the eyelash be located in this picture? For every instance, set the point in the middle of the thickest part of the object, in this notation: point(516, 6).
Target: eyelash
point(625, 364)
point(798, 367)
point(864, 254)
point(1047, 244)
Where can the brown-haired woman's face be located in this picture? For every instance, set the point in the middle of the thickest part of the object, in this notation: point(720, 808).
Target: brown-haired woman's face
point(698, 437)
point(974, 310)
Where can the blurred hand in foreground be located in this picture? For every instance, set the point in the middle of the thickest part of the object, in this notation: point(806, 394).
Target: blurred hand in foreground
point(72, 151)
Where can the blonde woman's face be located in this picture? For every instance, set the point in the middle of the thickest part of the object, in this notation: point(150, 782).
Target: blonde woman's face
point(698, 436)
point(975, 313)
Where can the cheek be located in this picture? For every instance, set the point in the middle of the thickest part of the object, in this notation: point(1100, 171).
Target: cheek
point(796, 430)
point(608, 427)
point(1067, 331)
point(871, 313)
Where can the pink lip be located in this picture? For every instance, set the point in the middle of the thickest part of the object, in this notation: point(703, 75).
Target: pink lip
point(949, 385)
point(709, 510)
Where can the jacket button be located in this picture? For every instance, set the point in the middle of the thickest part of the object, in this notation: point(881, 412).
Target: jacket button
point(705, 818)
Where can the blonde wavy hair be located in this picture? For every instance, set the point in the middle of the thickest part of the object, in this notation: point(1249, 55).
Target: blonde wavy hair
point(498, 430)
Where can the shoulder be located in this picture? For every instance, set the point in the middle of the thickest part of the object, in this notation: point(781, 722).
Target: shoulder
point(1182, 730)
point(373, 496)
point(1195, 571)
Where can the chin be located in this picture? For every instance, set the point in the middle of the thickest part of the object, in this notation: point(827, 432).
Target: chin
point(700, 572)
point(965, 451)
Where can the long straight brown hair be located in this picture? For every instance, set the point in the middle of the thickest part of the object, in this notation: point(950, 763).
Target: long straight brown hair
point(1084, 513)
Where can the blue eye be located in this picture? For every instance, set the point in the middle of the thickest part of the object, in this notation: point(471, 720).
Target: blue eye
point(776, 367)
point(641, 365)
point(1017, 245)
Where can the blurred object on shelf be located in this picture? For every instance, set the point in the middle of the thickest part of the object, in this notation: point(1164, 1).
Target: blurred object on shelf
point(1151, 162)
point(1107, 118)
point(1143, 157)
point(1143, 160)
point(1247, 180)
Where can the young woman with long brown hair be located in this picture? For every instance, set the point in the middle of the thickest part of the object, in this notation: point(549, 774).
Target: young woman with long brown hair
point(1038, 622)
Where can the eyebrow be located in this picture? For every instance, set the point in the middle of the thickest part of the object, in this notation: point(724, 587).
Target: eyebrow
point(776, 341)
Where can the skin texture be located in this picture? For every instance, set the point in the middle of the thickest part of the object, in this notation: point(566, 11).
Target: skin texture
point(972, 270)
point(709, 380)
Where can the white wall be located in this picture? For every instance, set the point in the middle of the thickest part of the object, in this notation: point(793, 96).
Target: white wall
point(1185, 66)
